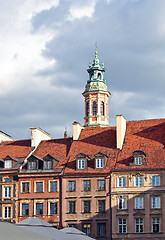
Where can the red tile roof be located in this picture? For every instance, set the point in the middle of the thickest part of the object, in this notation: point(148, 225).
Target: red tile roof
point(92, 141)
point(58, 148)
point(16, 149)
point(147, 136)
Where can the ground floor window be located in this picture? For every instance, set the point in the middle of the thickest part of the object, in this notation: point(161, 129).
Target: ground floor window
point(39, 209)
point(25, 209)
point(53, 208)
point(155, 225)
point(7, 212)
point(122, 225)
point(138, 225)
point(101, 229)
point(87, 228)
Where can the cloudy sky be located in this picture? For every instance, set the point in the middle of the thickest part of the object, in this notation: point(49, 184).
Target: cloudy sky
point(45, 48)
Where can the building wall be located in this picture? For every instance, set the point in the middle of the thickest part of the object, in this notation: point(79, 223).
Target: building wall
point(146, 212)
point(79, 219)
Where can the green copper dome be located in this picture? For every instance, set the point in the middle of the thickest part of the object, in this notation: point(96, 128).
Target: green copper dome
point(96, 80)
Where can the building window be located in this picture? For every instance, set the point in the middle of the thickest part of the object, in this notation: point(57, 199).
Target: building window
point(138, 225)
point(138, 203)
point(81, 164)
point(122, 203)
point(101, 185)
point(48, 164)
point(7, 192)
point(102, 108)
point(94, 108)
point(155, 202)
point(7, 212)
point(33, 165)
point(86, 227)
point(53, 186)
point(101, 229)
point(72, 206)
point(87, 109)
point(86, 206)
point(87, 185)
point(99, 163)
point(25, 209)
point(72, 186)
point(101, 206)
point(122, 225)
point(39, 209)
point(122, 182)
point(138, 181)
point(53, 208)
point(72, 225)
point(39, 186)
point(155, 180)
point(155, 225)
point(8, 163)
point(138, 160)
point(25, 187)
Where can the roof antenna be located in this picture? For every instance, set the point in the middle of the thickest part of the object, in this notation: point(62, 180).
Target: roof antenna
point(96, 48)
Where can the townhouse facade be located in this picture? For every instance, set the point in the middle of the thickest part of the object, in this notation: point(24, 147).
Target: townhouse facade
point(107, 181)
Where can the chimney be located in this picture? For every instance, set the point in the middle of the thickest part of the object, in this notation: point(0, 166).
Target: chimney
point(121, 129)
point(37, 135)
point(76, 130)
point(5, 137)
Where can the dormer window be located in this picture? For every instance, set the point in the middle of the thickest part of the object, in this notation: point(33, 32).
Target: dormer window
point(8, 164)
point(139, 158)
point(81, 164)
point(48, 164)
point(99, 163)
point(32, 165)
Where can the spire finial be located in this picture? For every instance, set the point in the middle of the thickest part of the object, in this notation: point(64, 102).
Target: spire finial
point(96, 47)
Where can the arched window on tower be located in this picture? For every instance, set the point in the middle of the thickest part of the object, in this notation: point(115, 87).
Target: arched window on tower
point(102, 108)
point(99, 76)
point(87, 109)
point(94, 108)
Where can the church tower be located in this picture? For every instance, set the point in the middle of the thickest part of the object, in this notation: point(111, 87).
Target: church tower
point(96, 96)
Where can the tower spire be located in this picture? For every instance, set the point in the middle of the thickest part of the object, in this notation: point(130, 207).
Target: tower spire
point(96, 95)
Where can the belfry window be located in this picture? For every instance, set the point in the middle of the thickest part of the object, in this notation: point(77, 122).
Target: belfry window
point(102, 108)
point(99, 76)
point(94, 108)
point(87, 109)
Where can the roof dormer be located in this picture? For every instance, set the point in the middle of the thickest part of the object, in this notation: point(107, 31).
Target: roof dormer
point(81, 161)
point(138, 158)
point(9, 161)
point(50, 162)
point(100, 160)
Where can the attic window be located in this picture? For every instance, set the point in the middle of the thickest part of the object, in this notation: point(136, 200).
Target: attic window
point(139, 157)
point(48, 164)
point(32, 165)
point(8, 163)
point(81, 164)
point(99, 163)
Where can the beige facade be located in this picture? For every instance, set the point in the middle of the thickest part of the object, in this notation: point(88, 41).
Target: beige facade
point(138, 205)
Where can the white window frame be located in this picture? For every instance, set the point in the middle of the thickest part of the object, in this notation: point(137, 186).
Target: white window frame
point(155, 202)
point(7, 191)
point(22, 182)
point(8, 215)
point(8, 164)
point(122, 225)
point(138, 160)
point(138, 181)
point(157, 221)
point(123, 203)
point(139, 204)
point(139, 222)
point(50, 181)
point(81, 164)
point(99, 162)
point(155, 180)
point(121, 182)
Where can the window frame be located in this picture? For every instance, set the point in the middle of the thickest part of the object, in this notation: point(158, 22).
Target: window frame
point(72, 206)
point(138, 181)
point(40, 204)
point(7, 191)
point(122, 226)
point(121, 182)
point(101, 229)
point(55, 188)
point(81, 164)
point(87, 185)
point(101, 203)
point(94, 108)
point(72, 186)
point(139, 225)
point(86, 230)
point(101, 187)
point(27, 189)
point(8, 163)
point(156, 204)
point(156, 180)
point(9, 212)
point(157, 223)
point(32, 165)
point(55, 207)
point(41, 189)
point(25, 204)
point(139, 203)
point(123, 204)
point(86, 206)
point(138, 160)
point(99, 163)
point(48, 164)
